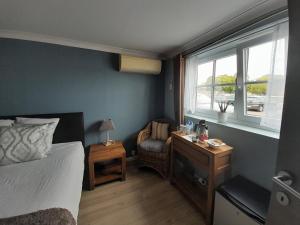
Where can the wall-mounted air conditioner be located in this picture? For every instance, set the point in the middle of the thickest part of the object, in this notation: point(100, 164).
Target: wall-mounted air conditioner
point(136, 64)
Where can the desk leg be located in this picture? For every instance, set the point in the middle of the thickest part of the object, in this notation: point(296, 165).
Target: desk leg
point(124, 167)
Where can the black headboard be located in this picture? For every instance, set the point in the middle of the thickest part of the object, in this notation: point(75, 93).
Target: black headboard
point(70, 126)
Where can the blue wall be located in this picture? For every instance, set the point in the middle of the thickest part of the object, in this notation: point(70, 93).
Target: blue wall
point(254, 155)
point(45, 78)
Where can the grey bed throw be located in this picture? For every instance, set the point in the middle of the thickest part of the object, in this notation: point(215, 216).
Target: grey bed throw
point(53, 216)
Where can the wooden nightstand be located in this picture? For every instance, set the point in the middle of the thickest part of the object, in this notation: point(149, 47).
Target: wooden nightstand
point(111, 160)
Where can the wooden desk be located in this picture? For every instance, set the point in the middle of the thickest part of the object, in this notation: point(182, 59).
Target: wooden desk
point(116, 168)
point(193, 161)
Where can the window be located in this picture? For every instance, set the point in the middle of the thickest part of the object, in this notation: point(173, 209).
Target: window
point(216, 82)
point(248, 73)
point(258, 60)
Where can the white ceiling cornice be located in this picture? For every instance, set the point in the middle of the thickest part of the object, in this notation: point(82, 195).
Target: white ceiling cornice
point(21, 35)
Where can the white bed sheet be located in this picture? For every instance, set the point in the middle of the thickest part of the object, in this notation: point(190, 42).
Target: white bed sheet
point(55, 181)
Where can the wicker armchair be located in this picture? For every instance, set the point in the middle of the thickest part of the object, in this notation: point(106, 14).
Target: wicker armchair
point(159, 160)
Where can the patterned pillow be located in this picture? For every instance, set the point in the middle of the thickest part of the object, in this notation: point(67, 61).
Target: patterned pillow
point(159, 131)
point(50, 122)
point(6, 123)
point(22, 143)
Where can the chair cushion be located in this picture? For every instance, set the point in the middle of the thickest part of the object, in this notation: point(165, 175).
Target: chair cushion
point(159, 131)
point(152, 145)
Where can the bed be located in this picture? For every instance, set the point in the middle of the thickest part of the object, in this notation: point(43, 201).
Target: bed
point(46, 191)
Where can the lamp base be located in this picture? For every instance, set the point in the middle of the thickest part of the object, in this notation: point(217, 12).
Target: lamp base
point(109, 142)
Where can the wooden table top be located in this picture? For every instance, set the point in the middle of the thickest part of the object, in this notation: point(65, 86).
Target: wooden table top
point(187, 139)
point(100, 152)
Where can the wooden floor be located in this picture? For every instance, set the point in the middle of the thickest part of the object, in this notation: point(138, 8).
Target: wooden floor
point(143, 199)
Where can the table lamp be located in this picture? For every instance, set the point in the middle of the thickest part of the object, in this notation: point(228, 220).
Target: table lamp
point(106, 126)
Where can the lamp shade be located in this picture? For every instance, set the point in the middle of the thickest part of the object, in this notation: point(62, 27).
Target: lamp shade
point(107, 125)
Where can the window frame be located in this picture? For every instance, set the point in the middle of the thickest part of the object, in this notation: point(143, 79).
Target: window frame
point(214, 58)
point(242, 117)
point(239, 115)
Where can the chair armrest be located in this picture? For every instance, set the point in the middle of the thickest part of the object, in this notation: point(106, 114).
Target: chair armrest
point(143, 135)
point(167, 146)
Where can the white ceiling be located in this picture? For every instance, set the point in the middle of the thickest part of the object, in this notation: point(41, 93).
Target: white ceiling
point(153, 27)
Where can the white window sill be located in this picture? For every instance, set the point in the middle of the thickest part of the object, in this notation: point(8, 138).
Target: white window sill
point(266, 133)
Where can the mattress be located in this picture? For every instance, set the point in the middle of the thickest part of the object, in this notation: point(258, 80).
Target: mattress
point(52, 182)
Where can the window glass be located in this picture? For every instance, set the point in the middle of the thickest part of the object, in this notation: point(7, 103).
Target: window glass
point(213, 84)
point(259, 61)
point(224, 94)
point(259, 68)
point(256, 97)
point(226, 70)
point(203, 98)
point(205, 72)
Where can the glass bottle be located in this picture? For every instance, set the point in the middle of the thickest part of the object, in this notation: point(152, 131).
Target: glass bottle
point(203, 131)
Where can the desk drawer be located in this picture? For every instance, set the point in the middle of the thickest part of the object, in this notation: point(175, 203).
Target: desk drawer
point(192, 154)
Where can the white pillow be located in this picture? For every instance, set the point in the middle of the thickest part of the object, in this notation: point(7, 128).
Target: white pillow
point(51, 122)
point(6, 123)
point(23, 143)
point(25, 120)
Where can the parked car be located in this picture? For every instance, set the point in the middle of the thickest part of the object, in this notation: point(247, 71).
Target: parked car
point(255, 103)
